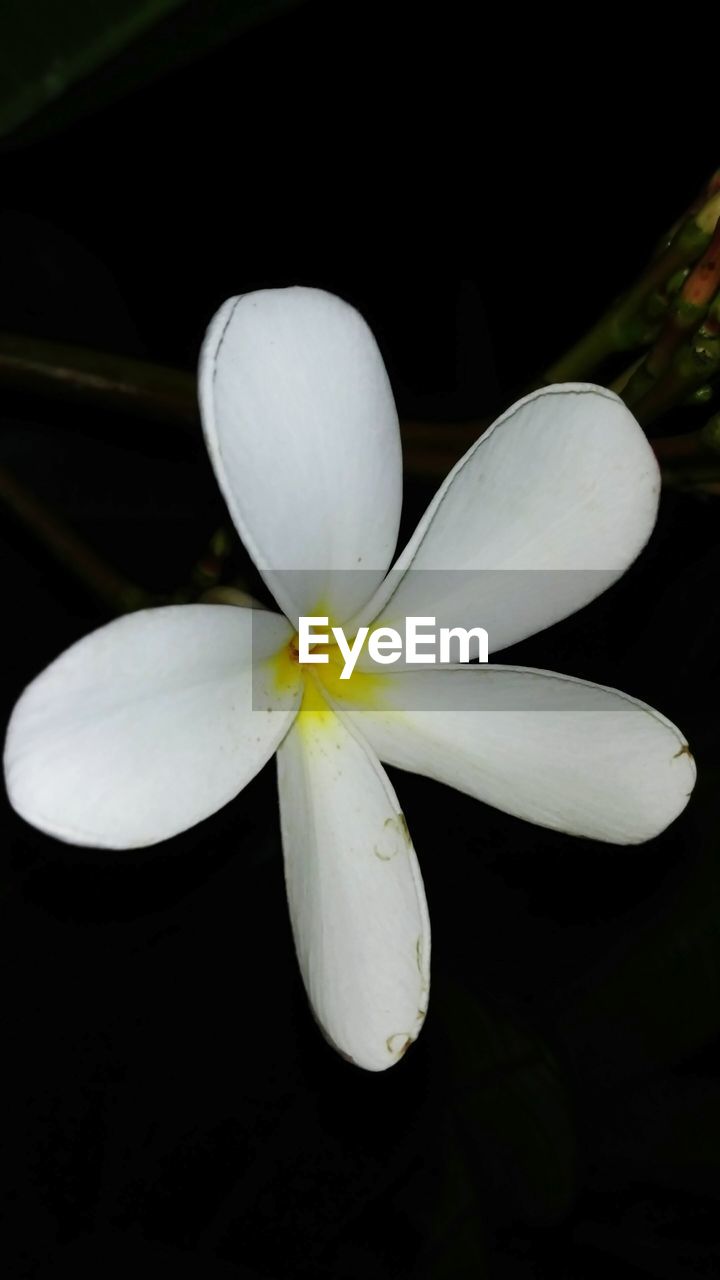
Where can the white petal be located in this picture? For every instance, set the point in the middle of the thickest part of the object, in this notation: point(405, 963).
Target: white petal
point(356, 897)
point(148, 725)
point(303, 434)
point(560, 752)
point(564, 481)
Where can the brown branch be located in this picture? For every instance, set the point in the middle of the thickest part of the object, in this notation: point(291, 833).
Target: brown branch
point(96, 377)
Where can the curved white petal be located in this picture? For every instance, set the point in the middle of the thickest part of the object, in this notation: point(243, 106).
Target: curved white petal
point(542, 514)
point(302, 431)
point(560, 752)
point(148, 725)
point(356, 897)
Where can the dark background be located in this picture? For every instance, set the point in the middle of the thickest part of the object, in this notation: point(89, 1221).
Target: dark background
point(479, 195)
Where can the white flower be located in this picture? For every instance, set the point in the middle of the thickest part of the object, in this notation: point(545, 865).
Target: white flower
point(147, 726)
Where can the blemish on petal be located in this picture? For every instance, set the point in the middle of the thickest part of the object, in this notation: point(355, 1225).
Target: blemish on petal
point(420, 961)
point(399, 1043)
point(684, 751)
point(395, 838)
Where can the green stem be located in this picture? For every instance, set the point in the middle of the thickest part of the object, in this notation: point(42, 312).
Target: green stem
point(626, 324)
point(695, 364)
point(686, 315)
point(591, 351)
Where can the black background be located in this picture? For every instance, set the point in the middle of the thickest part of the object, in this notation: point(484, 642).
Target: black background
point(479, 195)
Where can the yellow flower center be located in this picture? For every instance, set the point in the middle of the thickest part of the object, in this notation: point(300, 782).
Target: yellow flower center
point(323, 680)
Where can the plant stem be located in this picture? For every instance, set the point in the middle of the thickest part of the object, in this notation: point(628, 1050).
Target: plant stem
point(694, 365)
point(626, 324)
point(686, 315)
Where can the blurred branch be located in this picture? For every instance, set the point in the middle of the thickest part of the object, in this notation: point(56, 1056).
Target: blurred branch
point(695, 470)
point(137, 387)
point(59, 63)
point(142, 389)
point(673, 311)
point(97, 378)
point(46, 51)
point(697, 477)
point(111, 588)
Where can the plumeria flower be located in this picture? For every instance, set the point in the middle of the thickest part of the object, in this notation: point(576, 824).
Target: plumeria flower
point(156, 720)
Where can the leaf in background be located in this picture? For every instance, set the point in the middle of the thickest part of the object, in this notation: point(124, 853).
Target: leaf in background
point(511, 1106)
point(61, 62)
point(665, 1132)
point(656, 998)
point(654, 1175)
point(47, 47)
